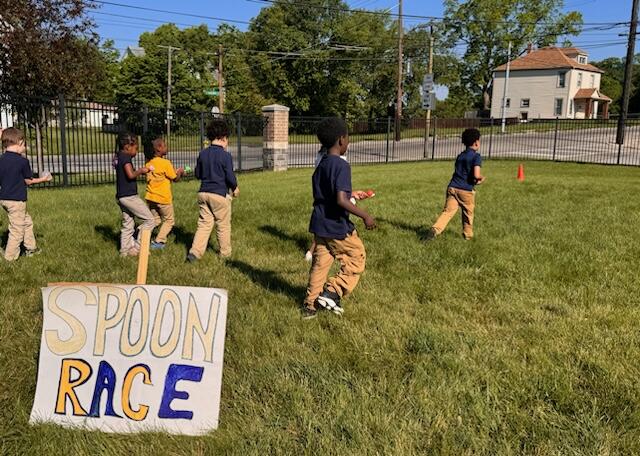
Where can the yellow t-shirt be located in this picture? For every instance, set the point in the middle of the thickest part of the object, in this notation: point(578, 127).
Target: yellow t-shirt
point(159, 180)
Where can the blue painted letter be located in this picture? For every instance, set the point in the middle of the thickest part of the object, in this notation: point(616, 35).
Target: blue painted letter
point(105, 380)
point(176, 373)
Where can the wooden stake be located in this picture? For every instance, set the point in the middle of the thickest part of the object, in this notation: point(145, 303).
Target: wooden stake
point(143, 257)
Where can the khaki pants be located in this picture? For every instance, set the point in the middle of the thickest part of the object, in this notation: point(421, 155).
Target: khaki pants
point(133, 206)
point(352, 257)
point(215, 210)
point(163, 217)
point(457, 198)
point(20, 229)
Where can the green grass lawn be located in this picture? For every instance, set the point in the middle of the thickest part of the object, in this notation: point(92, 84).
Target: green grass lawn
point(524, 340)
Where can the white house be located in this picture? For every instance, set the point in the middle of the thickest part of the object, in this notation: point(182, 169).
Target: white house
point(550, 82)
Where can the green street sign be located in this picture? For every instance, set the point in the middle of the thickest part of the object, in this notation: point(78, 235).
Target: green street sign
point(212, 92)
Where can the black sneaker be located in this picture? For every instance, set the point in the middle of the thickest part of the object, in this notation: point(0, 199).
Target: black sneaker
point(430, 235)
point(30, 253)
point(330, 301)
point(309, 313)
point(191, 258)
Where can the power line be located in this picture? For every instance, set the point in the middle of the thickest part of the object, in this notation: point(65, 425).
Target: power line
point(178, 13)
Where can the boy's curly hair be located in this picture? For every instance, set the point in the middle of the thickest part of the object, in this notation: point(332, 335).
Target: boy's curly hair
point(217, 129)
point(330, 130)
point(470, 136)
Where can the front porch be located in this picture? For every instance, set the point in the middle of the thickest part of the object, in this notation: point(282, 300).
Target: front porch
point(591, 104)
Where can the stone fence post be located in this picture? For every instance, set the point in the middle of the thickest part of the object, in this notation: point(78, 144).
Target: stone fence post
point(275, 146)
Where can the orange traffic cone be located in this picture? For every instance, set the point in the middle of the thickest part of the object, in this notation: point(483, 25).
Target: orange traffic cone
point(521, 172)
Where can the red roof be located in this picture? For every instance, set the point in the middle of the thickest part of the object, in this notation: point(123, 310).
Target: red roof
point(549, 58)
point(592, 93)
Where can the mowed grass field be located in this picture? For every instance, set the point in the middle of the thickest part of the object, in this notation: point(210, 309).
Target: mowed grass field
point(525, 340)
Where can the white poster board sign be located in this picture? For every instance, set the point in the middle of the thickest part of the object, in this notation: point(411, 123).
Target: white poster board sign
point(131, 358)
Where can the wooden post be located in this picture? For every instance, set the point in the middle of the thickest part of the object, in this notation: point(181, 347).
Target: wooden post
point(143, 257)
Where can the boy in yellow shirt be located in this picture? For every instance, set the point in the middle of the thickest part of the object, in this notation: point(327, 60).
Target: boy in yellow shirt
point(158, 196)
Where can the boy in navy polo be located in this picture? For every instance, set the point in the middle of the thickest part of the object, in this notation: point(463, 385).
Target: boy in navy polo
point(460, 191)
point(217, 180)
point(130, 203)
point(335, 235)
point(15, 176)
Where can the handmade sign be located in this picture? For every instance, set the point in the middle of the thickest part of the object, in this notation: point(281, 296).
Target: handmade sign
point(131, 358)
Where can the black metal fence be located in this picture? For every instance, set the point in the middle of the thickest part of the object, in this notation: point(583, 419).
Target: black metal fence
point(75, 140)
point(572, 140)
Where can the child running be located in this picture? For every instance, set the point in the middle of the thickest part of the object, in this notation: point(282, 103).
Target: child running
point(460, 192)
point(335, 235)
point(15, 176)
point(159, 198)
point(218, 184)
point(127, 195)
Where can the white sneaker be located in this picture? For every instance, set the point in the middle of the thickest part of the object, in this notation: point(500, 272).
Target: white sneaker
point(308, 256)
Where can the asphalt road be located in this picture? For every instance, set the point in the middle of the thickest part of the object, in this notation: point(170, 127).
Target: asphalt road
point(590, 146)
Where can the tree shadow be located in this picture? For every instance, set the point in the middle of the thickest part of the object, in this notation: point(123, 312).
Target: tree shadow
point(269, 280)
point(4, 237)
point(301, 242)
point(108, 233)
point(420, 231)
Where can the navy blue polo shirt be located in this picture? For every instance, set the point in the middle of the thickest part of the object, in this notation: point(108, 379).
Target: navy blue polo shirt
point(328, 219)
point(124, 186)
point(14, 169)
point(463, 174)
point(215, 171)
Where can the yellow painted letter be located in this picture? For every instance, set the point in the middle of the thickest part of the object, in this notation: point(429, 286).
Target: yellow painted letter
point(66, 385)
point(141, 413)
point(140, 295)
point(195, 324)
point(104, 322)
point(157, 348)
point(78, 333)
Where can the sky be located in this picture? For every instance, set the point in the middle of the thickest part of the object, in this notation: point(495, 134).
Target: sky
point(125, 30)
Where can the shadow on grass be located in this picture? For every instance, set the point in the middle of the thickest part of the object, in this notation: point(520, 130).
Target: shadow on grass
point(268, 280)
point(183, 237)
point(4, 237)
point(108, 234)
point(302, 242)
point(419, 230)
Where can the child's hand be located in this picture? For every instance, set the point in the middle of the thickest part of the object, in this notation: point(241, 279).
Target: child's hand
point(180, 171)
point(144, 170)
point(369, 222)
point(47, 177)
point(236, 192)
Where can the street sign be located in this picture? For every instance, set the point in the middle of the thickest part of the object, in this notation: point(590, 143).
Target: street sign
point(212, 92)
point(427, 83)
point(429, 100)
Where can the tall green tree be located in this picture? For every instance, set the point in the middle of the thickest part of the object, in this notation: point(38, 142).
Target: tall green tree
point(485, 28)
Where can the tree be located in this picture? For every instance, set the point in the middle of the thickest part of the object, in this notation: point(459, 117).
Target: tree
point(46, 49)
point(485, 28)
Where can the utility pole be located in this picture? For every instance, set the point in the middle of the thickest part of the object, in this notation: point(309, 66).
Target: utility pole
point(504, 91)
point(170, 50)
point(430, 71)
point(400, 75)
point(628, 69)
point(220, 92)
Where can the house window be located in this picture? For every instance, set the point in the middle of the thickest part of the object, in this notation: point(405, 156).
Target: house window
point(558, 107)
point(582, 59)
point(562, 78)
point(524, 103)
point(508, 103)
point(579, 79)
point(593, 80)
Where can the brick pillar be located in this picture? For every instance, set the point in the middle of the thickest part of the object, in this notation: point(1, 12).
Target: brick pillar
point(275, 145)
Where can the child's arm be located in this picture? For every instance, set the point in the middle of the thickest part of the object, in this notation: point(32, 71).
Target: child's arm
point(230, 177)
point(478, 175)
point(131, 174)
point(343, 202)
point(38, 180)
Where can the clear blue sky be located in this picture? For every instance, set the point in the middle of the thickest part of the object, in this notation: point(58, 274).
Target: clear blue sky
point(125, 30)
